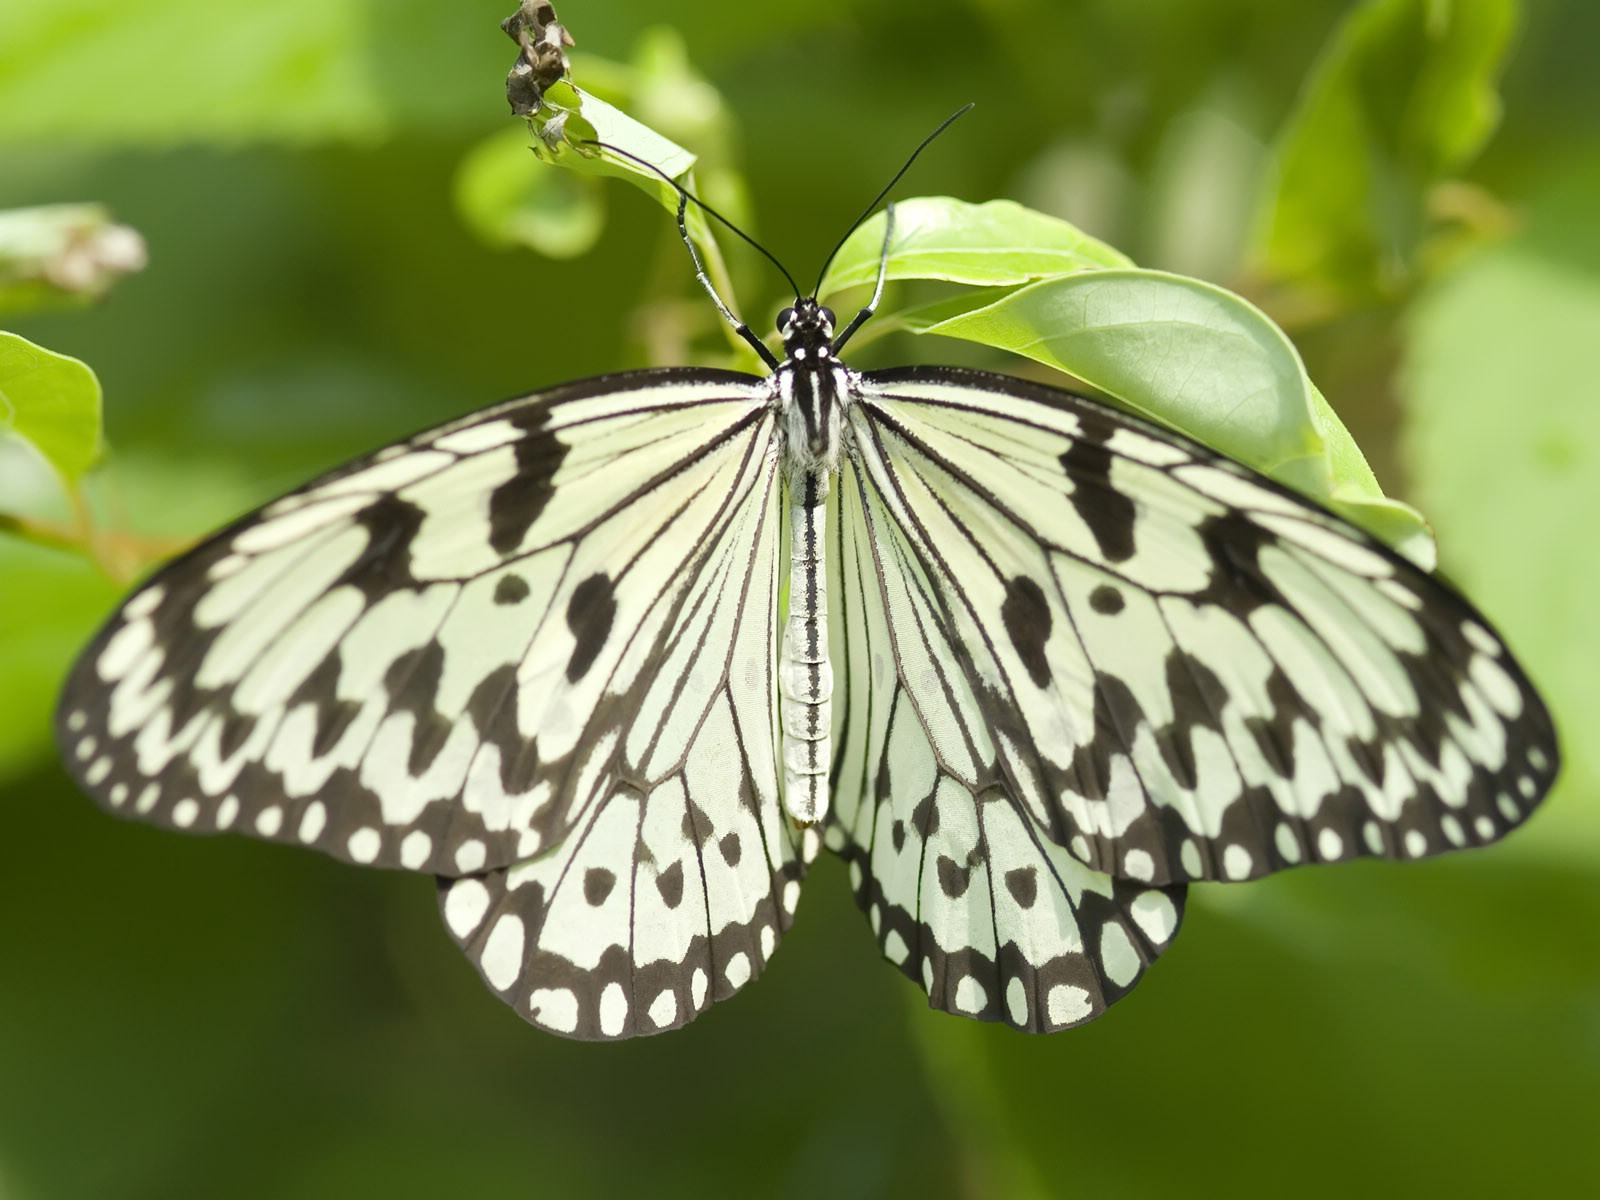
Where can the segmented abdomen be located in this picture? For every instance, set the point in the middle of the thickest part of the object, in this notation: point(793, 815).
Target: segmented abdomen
point(805, 678)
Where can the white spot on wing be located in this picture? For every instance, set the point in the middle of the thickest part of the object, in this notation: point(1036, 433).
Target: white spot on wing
point(414, 850)
point(464, 906)
point(1067, 1004)
point(1117, 955)
point(895, 948)
point(1137, 864)
point(145, 603)
point(364, 843)
point(470, 856)
point(663, 1009)
point(1017, 1001)
point(1236, 862)
point(970, 995)
point(613, 1010)
point(1287, 843)
point(501, 959)
point(1155, 915)
point(554, 1008)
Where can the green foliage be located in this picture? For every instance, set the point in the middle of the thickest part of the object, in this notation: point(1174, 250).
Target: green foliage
point(217, 1017)
point(1403, 98)
point(509, 198)
point(1503, 422)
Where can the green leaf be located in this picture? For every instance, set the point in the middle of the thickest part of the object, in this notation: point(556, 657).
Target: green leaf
point(937, 237)
point(1403, 98)
point(50, 401)
point(1503, 445)
point(1200, 359)
point(573, 118)
point(509, 198)
point(590, 119)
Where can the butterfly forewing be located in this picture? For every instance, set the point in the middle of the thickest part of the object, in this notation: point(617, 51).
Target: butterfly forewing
point(1188, 671)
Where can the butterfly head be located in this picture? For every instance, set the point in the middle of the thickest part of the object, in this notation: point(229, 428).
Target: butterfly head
point(807, 331)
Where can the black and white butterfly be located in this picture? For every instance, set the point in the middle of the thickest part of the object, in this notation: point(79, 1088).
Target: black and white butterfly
point(612, 660)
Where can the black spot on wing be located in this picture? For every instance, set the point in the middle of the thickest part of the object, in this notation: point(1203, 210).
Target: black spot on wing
point(697, 827)
point(597, 885)
point(1106, 600)
point(1107, 512)
point(384, 564)
point(321, 690)
point(510, 589)
point(590, 611)
point(730, 848)
point(1023, 884)
point(1235, 542)
point(670, 884)
point(235, 729)
point(953, 879)
point(412, 682)
point(492, 708)
point(516, 504)
point(1026, 615)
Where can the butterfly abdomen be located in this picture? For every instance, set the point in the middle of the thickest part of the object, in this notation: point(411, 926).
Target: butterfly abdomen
point(805, 677)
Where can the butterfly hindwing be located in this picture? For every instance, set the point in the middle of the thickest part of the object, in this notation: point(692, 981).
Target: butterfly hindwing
point(1188, 671)
point(965, 892)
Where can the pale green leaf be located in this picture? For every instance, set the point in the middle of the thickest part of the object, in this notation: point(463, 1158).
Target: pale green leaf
point(937, 237)
point(50, 401)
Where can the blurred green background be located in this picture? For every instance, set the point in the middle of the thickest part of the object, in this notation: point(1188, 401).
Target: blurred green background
point(218, 1018)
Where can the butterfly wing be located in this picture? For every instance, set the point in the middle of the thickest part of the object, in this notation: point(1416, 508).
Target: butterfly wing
point(966, 892)
point(1188, 671)
point(531, 651)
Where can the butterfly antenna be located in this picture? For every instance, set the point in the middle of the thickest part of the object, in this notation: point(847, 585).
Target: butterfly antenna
point(685, 194)
point(889, 187)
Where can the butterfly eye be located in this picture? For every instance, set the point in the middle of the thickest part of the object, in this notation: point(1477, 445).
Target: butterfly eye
point(827, 315)
point(785, 317)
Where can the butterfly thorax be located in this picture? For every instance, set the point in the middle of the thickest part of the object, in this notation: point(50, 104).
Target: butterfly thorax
point(811, 389)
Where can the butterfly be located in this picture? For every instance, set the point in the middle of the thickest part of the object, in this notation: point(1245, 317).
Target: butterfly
point(614, 660)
